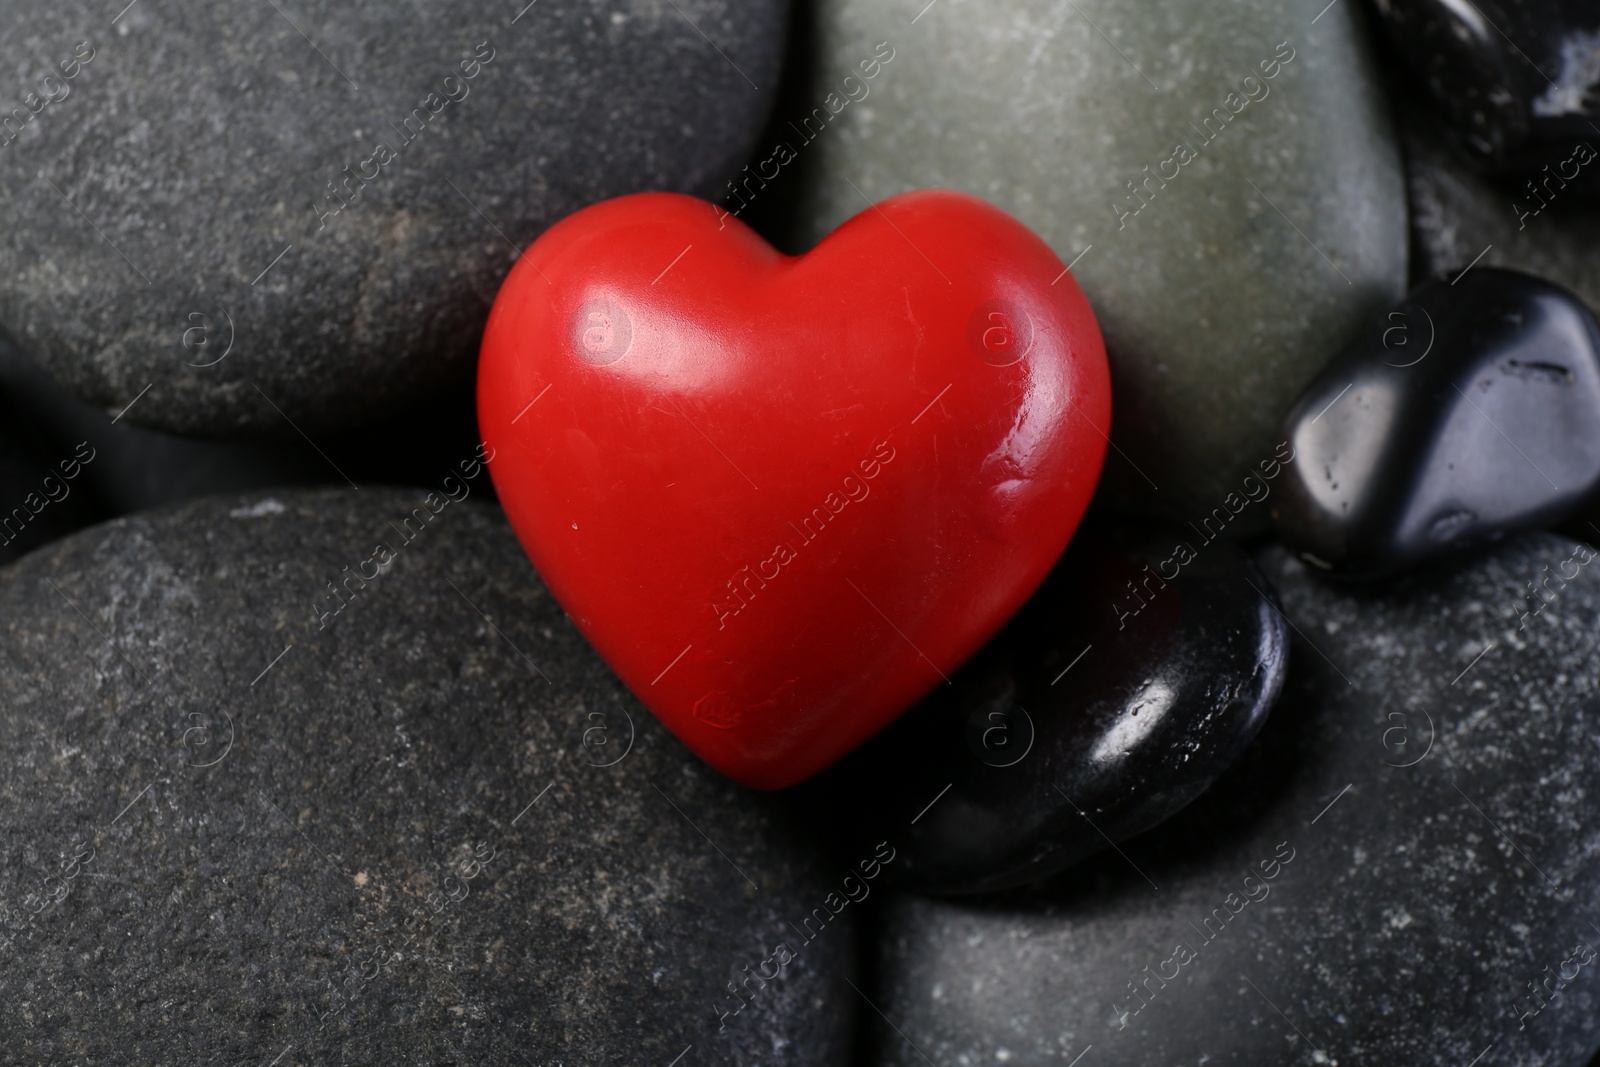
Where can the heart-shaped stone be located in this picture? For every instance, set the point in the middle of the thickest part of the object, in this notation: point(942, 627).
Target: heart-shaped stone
point(1113, 699)
point(785, 497)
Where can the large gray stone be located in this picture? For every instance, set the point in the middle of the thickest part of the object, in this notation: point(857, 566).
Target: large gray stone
point(241, 827)
point(1218, 300)
point(149, 202)
point(1413, 840)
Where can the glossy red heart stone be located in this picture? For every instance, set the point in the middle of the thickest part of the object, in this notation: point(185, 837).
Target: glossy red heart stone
point(783, 496)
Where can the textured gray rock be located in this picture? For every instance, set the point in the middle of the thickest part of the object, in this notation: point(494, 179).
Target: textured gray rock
point(1405, 868)
point(1460, 218)
point(1216, 311)
point(241, 822)
point(330, 195)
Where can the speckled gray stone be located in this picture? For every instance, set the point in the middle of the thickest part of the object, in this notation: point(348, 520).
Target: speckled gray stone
point(1431, 826)
point(177, 195)
point(1460, 219)
point(1216, 311)
point(231, 836)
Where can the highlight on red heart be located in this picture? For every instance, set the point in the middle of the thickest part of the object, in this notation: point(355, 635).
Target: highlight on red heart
point(786, 496)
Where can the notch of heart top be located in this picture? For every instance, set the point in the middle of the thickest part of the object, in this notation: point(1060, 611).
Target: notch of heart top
point(784, 497)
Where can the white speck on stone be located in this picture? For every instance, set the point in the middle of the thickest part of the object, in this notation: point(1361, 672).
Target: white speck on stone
point(1580, 72)
point(269, 506)
point(1002, 1054)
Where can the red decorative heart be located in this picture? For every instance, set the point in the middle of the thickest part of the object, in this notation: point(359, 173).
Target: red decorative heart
point(786, 496)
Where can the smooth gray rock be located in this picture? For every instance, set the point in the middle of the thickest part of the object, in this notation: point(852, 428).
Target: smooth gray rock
point(1413, 840)
point(415, 835)
point(1216, 311)
point(210, 176)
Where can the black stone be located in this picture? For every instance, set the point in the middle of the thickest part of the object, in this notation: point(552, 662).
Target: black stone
point(1517, 81)
point(203, 209)
point(1111, 700)
point(1470, 411)
point(1431, 826)
point(430, 827)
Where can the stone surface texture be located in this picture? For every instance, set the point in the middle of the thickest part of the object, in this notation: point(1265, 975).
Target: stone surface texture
point(203, 207)
point(1460, 219)
point(1412, 843)
point(242, 827)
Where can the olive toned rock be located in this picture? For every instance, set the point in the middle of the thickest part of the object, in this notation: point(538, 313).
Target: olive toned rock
point(257, 808)
point(1223, 179)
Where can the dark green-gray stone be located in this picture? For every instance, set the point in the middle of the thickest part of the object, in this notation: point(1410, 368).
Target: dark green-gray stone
point(1225, 293)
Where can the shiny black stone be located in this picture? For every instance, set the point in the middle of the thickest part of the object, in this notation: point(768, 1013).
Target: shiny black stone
point(1470, 411)
point(1113, 699)
point(1397, 872)
point(1517, 81)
